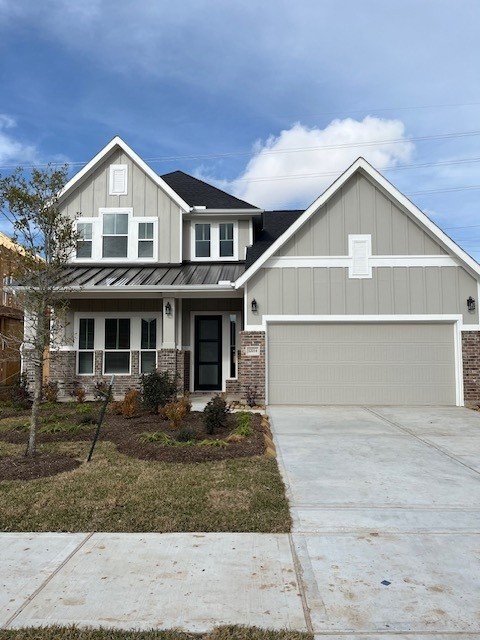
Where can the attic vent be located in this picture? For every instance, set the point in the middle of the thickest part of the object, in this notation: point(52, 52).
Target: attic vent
point(360, 251)
point(118, 179)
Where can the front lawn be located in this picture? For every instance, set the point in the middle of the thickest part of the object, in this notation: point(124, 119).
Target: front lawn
point(220, 633)
point(138, 490)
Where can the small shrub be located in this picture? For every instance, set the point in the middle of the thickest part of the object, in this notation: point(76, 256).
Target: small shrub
point(19, 394)
point(82, 408)
point(215, 413)
point(244, 424)
point(157, 436)
point(185, 401)
point(130, 403)
point(116, 408)
point(50, 391)
point(186, 434)
point(100, 390)
point(78, 393)
point(175, 412)
point(158, 389)
point(251, 393)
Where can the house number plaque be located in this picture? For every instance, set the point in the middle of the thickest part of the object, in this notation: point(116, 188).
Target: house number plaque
point(251, 351)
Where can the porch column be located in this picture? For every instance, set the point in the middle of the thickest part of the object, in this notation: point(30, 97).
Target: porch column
point(169, 317)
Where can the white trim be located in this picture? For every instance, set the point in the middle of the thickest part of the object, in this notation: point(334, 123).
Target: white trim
point(455, 320)
point(114, 168)
point(214, 241)
point(355, 270)
point(103, 153)
point(225, 344)
point(345, 261)
point(363, 166)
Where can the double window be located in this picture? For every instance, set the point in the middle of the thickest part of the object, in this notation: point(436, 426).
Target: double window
point(214, 240)
point(116, 234)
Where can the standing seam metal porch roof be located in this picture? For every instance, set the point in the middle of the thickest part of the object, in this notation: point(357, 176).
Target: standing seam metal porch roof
point(192, 274)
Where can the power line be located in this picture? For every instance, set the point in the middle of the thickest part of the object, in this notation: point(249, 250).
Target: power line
point(348, 145)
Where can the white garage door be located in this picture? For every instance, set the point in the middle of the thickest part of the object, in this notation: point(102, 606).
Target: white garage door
point(363, 363)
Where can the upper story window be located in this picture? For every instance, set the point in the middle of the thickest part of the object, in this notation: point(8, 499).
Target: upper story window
point(118, 180)
point(116, 234)
point(214, 241)
point(84, 240)
point(145, 239)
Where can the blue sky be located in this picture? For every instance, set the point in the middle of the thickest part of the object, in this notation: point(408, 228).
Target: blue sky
point(249, 93)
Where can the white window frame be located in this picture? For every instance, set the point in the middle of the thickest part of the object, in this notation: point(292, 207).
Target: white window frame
point(141, 351)
point(92, 351)
point(214, 240)
point(99, 336)
point(132, 242)
point(114, 168)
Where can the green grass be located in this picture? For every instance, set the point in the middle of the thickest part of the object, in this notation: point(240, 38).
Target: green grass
point(220, 633)
point(117, 493)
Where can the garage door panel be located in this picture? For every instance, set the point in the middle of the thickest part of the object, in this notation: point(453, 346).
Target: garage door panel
point(361, 363)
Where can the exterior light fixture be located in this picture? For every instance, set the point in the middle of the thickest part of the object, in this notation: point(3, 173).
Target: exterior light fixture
point(168, 309)
point(471, 304)
point(254, 306)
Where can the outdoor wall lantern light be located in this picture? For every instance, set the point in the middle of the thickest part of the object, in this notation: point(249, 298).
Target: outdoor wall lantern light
point(471, 304)
point(254, 306)
point(168, 309)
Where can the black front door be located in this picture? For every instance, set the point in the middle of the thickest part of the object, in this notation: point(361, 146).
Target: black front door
point(208, 352)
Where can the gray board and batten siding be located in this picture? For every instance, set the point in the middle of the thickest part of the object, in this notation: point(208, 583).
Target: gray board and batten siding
point(143, 195)
point(360, 207)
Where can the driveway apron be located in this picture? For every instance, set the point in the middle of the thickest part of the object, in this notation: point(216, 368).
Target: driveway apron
point(386, 509)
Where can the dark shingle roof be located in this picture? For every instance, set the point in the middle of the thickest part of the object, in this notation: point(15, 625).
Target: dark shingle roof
point(275, 223)
point(196, 193)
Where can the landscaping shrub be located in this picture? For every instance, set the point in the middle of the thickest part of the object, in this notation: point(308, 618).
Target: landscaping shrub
point(157, 436)
point(175, 411)
point(158, 388)
point(130, 403)
point(185, 401)
point(100, 390)
point(244, 424)
point(251, 393)
point(186, 434)
point(19, 394)
point(116, 408)
point(215, 413)
point(78, 393)
point(50, 391)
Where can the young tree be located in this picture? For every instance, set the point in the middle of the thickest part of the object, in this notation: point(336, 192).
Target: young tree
point(29, 202)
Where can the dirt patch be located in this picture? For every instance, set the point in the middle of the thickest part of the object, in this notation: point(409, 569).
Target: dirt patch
point(40, 466)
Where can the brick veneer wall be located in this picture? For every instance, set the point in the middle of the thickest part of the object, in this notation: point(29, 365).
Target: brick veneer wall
point(471, 366)
point(63, 370)
point(251, 369)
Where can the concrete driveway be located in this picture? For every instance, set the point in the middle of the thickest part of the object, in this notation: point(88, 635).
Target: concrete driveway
point(386, 508)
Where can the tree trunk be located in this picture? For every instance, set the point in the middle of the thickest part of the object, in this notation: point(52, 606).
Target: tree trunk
point(34, 417)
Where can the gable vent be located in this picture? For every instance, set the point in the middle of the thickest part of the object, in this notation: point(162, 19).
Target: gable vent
point(118, 180)
point(360, 251)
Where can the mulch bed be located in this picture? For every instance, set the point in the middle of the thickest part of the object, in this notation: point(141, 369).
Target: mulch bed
point(126, 434)
point(40, 466)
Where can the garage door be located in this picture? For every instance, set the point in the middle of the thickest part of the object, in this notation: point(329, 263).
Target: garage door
point(361, 363)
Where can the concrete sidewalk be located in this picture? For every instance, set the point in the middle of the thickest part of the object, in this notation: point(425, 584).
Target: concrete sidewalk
point(190, 581)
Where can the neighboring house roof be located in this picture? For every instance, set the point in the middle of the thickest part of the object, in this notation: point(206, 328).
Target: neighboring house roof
point(144, 277)
point(201, 194)
point(9, 244)
point(117, 142)
point(361, 165)
point(274, 224)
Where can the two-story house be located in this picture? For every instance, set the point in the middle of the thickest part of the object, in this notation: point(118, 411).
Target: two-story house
point(359, 299)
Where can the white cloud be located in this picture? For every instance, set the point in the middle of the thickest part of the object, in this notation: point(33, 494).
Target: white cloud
point(12, 150)
point(269, 178)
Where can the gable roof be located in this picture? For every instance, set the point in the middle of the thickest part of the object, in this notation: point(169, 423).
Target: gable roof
point(274, 224)
point(117, 142)
point(201, 194)
point(362, 166)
